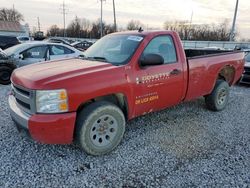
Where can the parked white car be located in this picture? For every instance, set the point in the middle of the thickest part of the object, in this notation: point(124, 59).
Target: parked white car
point(33, 52)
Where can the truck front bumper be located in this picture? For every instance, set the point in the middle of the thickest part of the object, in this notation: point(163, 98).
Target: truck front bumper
point(44, 128)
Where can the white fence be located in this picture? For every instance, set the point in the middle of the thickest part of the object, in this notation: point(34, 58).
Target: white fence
point(220, 44)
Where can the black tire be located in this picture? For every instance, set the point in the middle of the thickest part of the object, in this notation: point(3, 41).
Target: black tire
point(5, 74)
point(218, 99)
point(100, 128)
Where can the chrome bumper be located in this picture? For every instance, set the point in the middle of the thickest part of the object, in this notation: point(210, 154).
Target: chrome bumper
point(20, 117)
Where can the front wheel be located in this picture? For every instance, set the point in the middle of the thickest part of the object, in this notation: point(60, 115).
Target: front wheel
point(218, 99)
point(100, 128)
point(5, 74)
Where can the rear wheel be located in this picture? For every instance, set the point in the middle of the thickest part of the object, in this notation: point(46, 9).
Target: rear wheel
point(218, 99)
point(5, 74)
point(100, 128)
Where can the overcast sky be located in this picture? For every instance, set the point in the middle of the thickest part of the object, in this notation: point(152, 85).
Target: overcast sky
point(150, 12)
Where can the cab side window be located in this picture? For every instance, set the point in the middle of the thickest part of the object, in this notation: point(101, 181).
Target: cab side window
point(164, 46)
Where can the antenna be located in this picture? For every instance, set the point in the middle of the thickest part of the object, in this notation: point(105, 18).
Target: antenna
point(140, 30)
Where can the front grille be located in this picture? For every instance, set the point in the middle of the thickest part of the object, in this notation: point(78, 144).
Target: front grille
point(247, 70)
point(26, 93)
point(23, 104)
point(24, 98)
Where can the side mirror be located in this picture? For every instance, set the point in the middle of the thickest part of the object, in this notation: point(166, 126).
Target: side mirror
point(24, 55)
point(21, 56)
point(151, 59)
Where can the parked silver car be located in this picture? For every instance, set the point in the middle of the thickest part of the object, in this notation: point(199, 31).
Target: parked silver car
point(245, 79)
point(33, 52)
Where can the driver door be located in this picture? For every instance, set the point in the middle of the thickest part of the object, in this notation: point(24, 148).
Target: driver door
point(159, 86)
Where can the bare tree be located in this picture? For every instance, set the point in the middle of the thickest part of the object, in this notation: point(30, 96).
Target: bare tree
point(205, 32)
point(74, 28)
point(95, 31)
point(85, 24)
point(134, 25)
point(54, 30)
point(182, 27)
point(10, 15)
point(82, 28)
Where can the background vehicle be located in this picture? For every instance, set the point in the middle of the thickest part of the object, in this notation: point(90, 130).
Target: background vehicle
point(8, 41)
point(122, 76)
point(58, 40)
point(245, 79)
point(6, 68)
point(23, 39)
point(82, 45)
point(33, 52)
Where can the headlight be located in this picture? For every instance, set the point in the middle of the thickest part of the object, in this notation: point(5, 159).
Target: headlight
point(51, 101)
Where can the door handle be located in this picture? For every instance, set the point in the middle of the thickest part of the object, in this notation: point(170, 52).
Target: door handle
point(175, 72)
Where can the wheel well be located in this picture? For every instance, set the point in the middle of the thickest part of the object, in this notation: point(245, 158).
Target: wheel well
point(227, 74)
point(12, 66)
point(118, 99)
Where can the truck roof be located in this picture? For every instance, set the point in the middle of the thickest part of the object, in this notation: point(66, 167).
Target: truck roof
point(144, 33)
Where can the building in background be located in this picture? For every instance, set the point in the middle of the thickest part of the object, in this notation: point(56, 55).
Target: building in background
point(9, 28)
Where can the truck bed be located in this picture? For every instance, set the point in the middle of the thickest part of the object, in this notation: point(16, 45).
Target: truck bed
point(204, 65)
point(198, 53)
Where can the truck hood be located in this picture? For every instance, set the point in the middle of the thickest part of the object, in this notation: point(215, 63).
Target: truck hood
point(43, 74)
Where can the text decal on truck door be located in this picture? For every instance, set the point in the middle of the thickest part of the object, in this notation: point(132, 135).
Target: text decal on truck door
point(147, 98)
point(152, 78)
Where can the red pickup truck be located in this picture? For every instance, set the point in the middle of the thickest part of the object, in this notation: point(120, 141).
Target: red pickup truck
point(122, 76)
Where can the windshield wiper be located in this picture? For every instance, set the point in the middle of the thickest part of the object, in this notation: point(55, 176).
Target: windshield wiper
point(98, 58)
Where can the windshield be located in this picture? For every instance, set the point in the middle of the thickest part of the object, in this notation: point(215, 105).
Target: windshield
point(14, 49)
point(114, 49)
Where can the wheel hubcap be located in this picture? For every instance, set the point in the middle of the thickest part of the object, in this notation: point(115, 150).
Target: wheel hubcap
point(5, 75)
point(103, 130)
point(222, 96)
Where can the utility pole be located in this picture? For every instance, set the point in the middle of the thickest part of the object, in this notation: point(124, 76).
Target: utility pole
point(101, 25)
point(234, 21)
point(191, 19)
point(38, 24)
point(115, 27)
point(14, 13)
point(64, 17)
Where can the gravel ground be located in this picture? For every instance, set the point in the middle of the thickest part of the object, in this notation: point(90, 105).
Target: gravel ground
point(183, 146)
